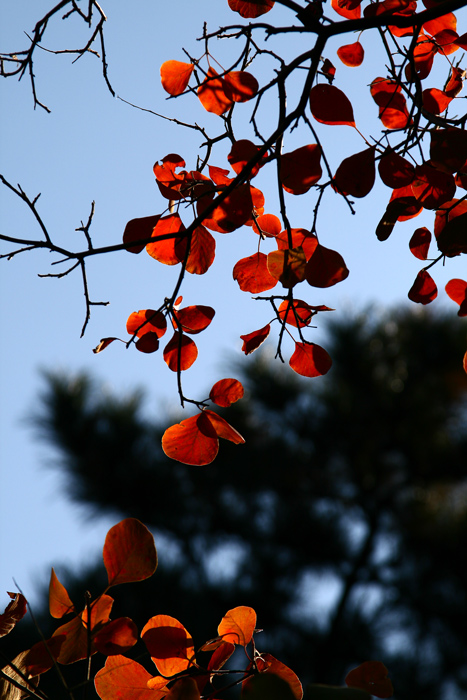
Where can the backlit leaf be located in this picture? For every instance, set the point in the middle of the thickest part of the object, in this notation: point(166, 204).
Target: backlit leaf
point(180, 352)
point(288, 266)
point(124, 679)
point(325, 268)
point(452, 240)
point(300, 169)
point(146, 321)
point(329, 105)
point(170, 250)
point(237, 625)
point(169, 644)
point(419, 244)
point(14, 612)
point(310, 360)
point(148, 343)
point(202, 251)
point(392, 104)
point(268, 664)
point(175, 76)
point(435, 101)
point(252, 274)
point(103, 344)
point(448, 149)
point(350, 9)
point(268, 224)
point(184, 689)
point(223, 429)
point(241, 152)
point(456, 290)
point(234, 211)
point(225, 392)
point(297, 313)
point(74, 634)
point(371, 676)
point(129, 552)
point(139, 230)
point(432, 187)
point(212, 96)
point(356, 174)
point(299, 237)
point(455, 83)
point(251, 8)
point(194, 319)
point(117, 637)
point(240, 86)
point(253, 340)
point(424, 289)
point(59, 600)
point(193, 441)
point(351, 54)
point(395, 171)
point(40, 657)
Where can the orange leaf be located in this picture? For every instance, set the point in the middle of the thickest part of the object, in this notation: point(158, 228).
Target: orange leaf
point(288, 266)
point(59, 600)
point(184, 689)
point(146, 321)
point(234, 211)
point(253, 340)
point(350, 9)
point(424, 289)
point(310, 360)
point(74, 634)
point(170, 250)
point(194, 319)
point(268, 664)
point(351, 54)
point(252, 274)
point(180, 346)
point(212, 96)
point(356, 174)
point(300, 237)
point(251, 8)
point(240, 86)
point(202, 251)
point(371, 676)
point(464, 364)
point(297, 313)
point(139, 230)
point(169, 644)
point(116, 637)
point(392, 104)
point(237, 625)
point(300, 169)
point(129, 552)
point(175, 76)
point(455, 83)
point(419, 244)
point(329, 105)
point(435, 101)
point(14, 611)
point(268, 224)
point(125, 679)
point(193, 441)
point(225, 392)
point(223, 429)
point(325, 268)
point(456, 290)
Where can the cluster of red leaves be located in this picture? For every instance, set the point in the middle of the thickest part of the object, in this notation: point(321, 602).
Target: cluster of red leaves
point(182, 670)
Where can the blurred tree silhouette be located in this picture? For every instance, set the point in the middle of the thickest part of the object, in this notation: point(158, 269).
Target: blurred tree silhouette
point(342, 521)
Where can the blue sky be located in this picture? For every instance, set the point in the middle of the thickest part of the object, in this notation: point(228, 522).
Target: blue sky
point(95, 147)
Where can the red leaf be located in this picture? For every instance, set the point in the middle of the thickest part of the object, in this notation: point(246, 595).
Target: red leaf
point(175, 76)
point(103, 343)
point(297, 313)
point(392, 104)
point(423, 56)
point(253, 340)
point(252, 274)
point(59, 600)
point(395, 171)
point(184, 689)
point(456, 290)
point(268, 664)
point(300, 237)
point(420, 243)
point(448, 149)
point(350, 9)
point(14, 611)
point(452, 240)
point(371, 676)
point(268, 225)
point(329, 105)
point(139, 230)
point(146, 321)
point(225, 392)
point(129, 552)
point(148, 343)
point(356, 174)
point(435, 101)
point(223, 429)
point(424, 289)
point(455, 82)
point(183, 346)
point(40, 657)
point(194, 319)
point(74, 634)
point(251, 8)
point(170, 182)
point(448, 21)
point(404, 201)
point(464, 364)
point(234, 211)
point(170, 250)
point(300, 169)
point(169, 644)
point(116, 637)
point(125, 679)
point(202, 251)
point(241, 152)
point(240, 86)
point(327, 69)
point(212, 96)
point(237, 625)
point(193, 441)
point(432, 187)
point(351, 54)
point(288, 266)
point(310, 360)
point(325, 268)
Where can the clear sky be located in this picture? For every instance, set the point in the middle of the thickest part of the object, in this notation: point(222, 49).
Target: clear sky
point(95, 147)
